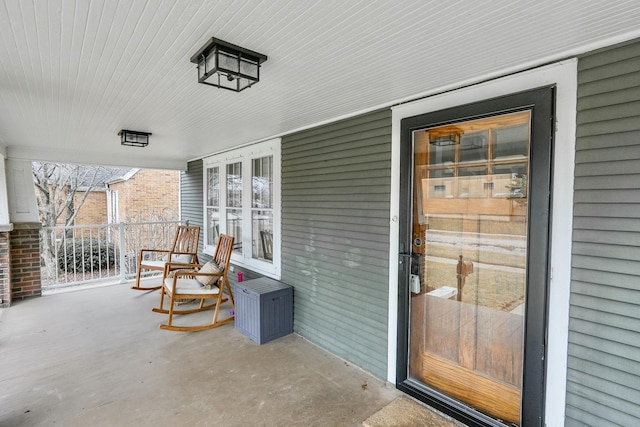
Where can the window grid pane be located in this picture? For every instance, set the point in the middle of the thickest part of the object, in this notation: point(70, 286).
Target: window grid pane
point(262, 183)
point(213, 205)
point(262, 229)
point(213, 186)
point(234, 204)
point(262, 208)
point(234, 185)
point(234, 228)
point(213, 226)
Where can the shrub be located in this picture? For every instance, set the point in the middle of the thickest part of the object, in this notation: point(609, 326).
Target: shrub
point(85, 255)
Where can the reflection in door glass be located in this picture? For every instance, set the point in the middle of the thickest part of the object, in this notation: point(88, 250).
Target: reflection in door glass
point(442, 150)
point(473, 147)
point(511, 180)
point(470, 212)
point(473, 182)
point(511, 141)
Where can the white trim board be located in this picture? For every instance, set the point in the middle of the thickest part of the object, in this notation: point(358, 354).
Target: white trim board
point(564, 76)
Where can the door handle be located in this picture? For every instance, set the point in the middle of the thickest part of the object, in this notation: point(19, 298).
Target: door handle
point(414, 261)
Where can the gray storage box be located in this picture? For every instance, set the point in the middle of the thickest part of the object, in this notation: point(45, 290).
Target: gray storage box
point(264, 309)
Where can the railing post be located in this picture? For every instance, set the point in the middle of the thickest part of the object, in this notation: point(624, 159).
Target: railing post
point(123, 278)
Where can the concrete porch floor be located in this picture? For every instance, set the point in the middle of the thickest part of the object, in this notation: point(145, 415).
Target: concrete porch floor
point(96, 357)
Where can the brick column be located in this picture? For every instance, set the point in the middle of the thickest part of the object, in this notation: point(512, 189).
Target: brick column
point(25, 261)
point(5, 273)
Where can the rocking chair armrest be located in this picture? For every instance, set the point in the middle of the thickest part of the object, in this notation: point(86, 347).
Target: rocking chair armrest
point(192, 273)
point(182, 265)
point(170, 266)
point(208, 274)
point(188, 270)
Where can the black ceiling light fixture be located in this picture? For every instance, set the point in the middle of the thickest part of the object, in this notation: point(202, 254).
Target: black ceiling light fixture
point(227, 66)
point(134, 138)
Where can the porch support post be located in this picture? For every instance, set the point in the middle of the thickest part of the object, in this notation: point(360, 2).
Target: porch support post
point(24, 260)
point(5, 229)
point(24, 275)
point(123, 278)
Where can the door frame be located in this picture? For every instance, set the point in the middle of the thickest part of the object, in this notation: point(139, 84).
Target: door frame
point(563, 76)
point(540, 103)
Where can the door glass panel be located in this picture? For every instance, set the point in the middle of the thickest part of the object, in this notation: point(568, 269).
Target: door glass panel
point(469, 231)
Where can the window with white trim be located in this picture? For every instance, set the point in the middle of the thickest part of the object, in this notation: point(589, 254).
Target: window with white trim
point(242, 199)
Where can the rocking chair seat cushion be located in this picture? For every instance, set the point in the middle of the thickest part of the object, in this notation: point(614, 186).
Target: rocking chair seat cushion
point(190, 286)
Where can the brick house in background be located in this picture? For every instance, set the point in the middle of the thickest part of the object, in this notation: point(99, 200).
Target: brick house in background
point(130, 195)
point(118, 194)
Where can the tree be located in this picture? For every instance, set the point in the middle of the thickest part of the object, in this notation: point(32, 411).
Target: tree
point(56, 187)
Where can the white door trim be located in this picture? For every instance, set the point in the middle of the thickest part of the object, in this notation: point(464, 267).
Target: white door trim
point(564, 76)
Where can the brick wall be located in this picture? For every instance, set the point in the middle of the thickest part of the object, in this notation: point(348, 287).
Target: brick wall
point(150, 195)
point(94, 209)
point(25, 261)
point(5, 272)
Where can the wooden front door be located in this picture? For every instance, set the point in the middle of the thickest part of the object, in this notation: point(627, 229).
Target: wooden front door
point(474, 261)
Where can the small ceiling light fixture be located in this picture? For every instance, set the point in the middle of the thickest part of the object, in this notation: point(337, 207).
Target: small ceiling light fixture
point(134, 138)
point(227, 66)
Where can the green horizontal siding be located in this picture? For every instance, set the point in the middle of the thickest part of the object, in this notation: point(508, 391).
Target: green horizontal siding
point(191, 196)
point(336, 182)
point(603, 377)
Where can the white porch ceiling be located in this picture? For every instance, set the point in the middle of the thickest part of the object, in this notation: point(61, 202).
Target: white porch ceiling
point(75, 72)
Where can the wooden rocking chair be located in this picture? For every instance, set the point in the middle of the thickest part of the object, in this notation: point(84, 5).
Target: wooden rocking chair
point(184, 250)
point(203, 282)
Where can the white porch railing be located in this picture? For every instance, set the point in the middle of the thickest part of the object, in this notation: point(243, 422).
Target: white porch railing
point(89, 253)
